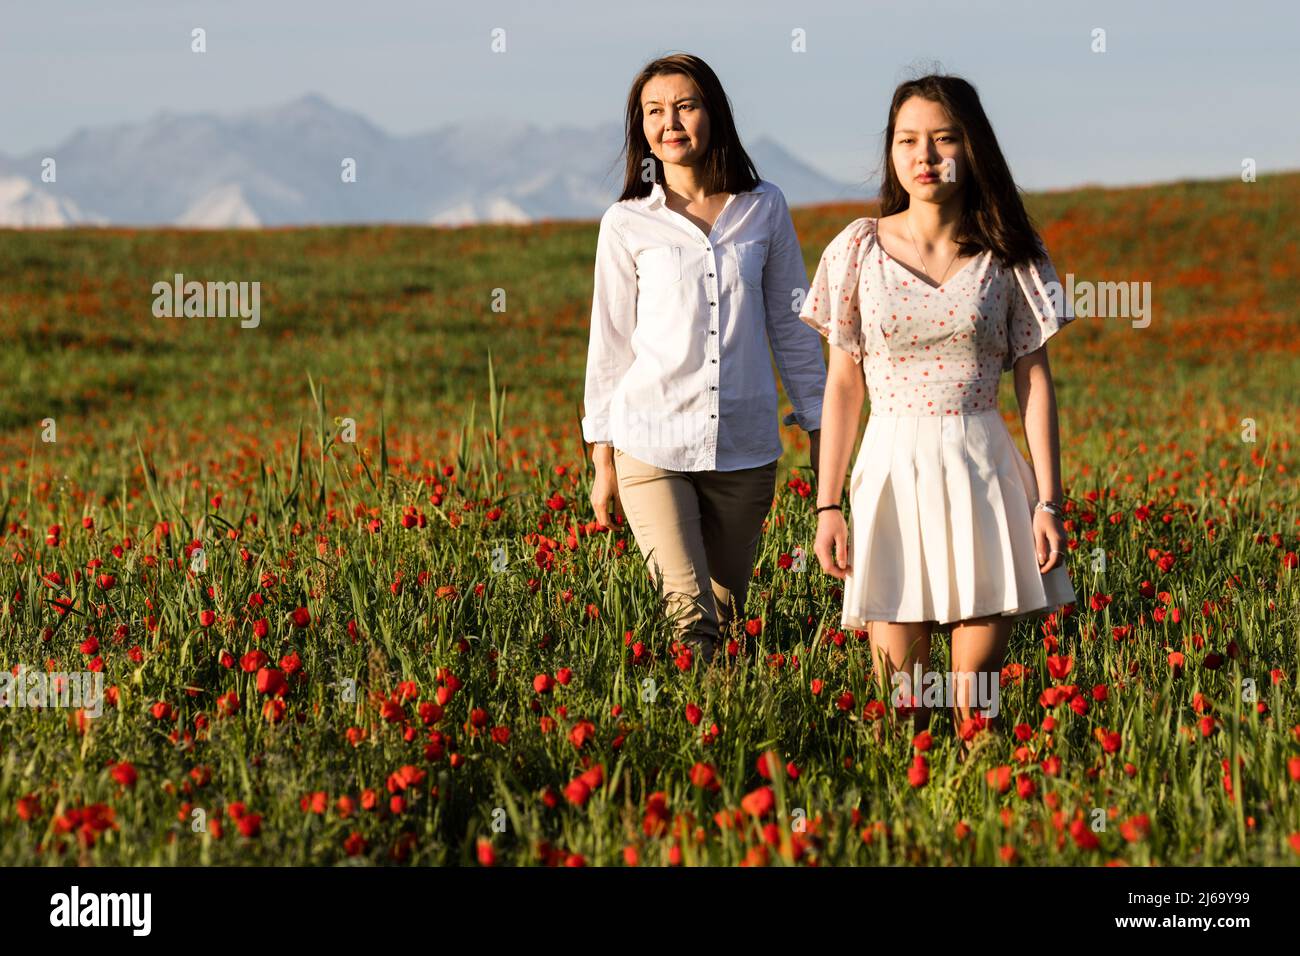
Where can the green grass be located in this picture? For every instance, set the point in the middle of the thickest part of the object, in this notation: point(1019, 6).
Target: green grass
point(392, 327)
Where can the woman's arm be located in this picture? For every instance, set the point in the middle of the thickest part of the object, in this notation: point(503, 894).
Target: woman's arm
point(609, 356)
point(795, 346)
point(1037, 397)
point(613, 320)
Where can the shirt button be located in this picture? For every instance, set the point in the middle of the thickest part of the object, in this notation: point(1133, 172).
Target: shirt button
point(713, 416)
point(713, 331)
point(714, 361)
point(710, 275)
point(713, 387)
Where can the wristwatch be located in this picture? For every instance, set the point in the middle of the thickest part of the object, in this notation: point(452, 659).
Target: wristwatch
point(1051, 507)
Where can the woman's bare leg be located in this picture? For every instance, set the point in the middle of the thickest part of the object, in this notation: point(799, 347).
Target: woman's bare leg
point(903, 649)
point(979, 648)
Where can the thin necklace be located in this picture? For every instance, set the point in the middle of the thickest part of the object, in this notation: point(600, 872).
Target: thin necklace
point(922, 258)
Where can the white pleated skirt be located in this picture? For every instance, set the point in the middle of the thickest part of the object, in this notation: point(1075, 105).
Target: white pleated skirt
point(941, 524)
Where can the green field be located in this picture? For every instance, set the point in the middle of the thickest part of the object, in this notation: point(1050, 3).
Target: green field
point(447, 558)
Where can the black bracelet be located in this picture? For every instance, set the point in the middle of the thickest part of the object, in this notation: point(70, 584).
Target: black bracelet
point(827, 508)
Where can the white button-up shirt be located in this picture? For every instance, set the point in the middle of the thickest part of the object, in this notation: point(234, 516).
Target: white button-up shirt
point(679, 371)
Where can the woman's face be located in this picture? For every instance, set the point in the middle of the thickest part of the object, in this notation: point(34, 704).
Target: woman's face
point(928, 152)
point(675, 122)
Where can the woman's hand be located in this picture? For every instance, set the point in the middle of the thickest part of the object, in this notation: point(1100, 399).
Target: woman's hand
point(832, 544)
point(1049, 540)
point(605, 485)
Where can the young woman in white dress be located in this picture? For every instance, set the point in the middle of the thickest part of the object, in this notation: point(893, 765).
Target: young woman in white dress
point(926, 306)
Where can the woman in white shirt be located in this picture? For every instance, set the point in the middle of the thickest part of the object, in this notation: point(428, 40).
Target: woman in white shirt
point(698, 272)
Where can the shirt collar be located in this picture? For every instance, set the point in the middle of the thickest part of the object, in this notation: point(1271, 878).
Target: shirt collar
point(656, 197)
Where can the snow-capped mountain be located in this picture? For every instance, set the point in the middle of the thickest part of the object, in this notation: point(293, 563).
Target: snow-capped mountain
point(27, 203)
point(285, 166)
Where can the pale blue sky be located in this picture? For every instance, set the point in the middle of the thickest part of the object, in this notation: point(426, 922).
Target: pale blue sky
point(1185, 89)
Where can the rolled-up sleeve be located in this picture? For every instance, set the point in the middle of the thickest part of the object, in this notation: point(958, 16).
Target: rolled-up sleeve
point(796, 346)
point(613, 319)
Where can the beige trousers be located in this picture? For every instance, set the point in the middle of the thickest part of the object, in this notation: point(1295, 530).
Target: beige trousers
point(699, 530)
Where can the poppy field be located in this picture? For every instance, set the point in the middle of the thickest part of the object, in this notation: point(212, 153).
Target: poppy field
point(342, 588)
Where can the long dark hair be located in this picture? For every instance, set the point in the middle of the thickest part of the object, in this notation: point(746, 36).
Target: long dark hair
point(726, 166)
point(993, 213)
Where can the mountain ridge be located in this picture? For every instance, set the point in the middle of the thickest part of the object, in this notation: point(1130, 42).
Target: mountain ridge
point(282, 166)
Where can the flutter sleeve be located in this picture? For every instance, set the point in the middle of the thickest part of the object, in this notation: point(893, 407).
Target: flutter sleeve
point(1037, 309)
point(831, 306)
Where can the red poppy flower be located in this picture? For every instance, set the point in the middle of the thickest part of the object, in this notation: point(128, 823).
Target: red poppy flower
point(999, 778)
point(759, 803)
point(705, 777)
point(124, 774)
point(582, 733)
point(1135, 828)
point(655, 820)
point(577, 792)
point(1059, 666)
point(971, 726)
point(355, 844)
point(316, 802)
point(918, 775)
point(1083, 836)
point(270, 680)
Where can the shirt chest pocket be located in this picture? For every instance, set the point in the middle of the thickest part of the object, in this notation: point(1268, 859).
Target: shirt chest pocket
point(659, 266)
point(745, 262)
